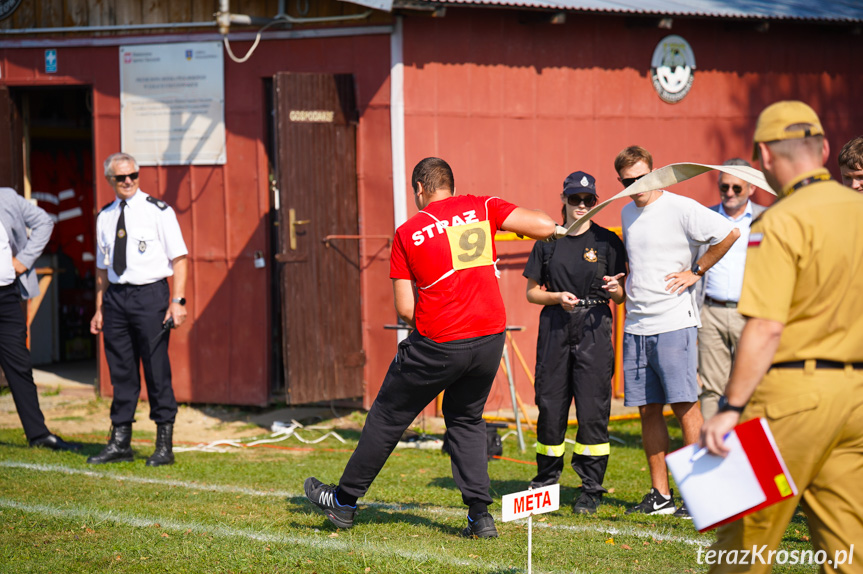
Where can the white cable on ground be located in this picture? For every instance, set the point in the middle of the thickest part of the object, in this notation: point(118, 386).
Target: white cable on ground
point(280, 433)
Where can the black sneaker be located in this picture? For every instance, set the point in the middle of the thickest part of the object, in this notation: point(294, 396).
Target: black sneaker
point(654, 503)
point(587, 503)
point(482, 527)
point(682, 512)
point(324, 497)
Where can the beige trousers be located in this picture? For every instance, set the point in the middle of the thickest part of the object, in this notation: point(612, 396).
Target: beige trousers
point(816, 417)
point(717, 341)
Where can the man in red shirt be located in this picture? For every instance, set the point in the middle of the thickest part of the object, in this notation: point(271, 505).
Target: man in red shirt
point(445, 287)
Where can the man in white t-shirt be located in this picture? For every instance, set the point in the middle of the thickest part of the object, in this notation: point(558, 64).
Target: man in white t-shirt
point(662, 232)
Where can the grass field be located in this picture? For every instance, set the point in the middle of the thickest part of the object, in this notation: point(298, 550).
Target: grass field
point(244, 511)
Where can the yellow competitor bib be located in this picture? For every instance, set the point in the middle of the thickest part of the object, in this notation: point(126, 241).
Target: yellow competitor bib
point(471, 245)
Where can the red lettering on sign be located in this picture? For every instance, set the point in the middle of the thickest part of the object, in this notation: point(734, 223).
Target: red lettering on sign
point(519, 505)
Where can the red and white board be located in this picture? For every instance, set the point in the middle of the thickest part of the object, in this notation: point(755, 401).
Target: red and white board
point(529, 502)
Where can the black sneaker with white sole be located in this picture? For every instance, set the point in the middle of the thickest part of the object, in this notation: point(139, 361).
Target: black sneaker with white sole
point(324, 497)
point(682, 512)
point(654, 503)
point(481, 527)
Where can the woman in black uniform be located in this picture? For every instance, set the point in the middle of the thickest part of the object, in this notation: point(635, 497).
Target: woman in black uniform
point(573, 279)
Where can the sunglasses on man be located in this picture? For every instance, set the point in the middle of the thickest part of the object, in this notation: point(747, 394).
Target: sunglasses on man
point(122, 178)
point(627, 181)
point(738, 189)
point(576, 200)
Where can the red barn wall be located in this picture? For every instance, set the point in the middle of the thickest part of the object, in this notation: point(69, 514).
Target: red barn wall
point(513, 106)
point(516, 107)
point(225, 354)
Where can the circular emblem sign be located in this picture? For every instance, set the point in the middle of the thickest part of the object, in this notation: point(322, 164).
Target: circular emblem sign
point(7, 7)
point(672, 68)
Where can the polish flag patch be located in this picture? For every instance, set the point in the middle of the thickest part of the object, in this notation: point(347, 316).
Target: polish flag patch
point(755, 239)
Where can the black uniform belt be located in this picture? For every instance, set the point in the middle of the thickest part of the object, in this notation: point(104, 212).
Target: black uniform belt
point(819, 364)
point(8, 287)
point(590, 302)
point(718, 303)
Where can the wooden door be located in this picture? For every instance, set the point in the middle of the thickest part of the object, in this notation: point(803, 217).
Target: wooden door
point(315, 118)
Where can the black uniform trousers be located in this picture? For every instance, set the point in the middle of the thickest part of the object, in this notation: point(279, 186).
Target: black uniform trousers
point(16, 362)
point(574, 360)
point(132, 317)
point(464, 371)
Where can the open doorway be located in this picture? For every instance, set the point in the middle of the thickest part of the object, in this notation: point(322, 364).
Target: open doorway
point(58, 172)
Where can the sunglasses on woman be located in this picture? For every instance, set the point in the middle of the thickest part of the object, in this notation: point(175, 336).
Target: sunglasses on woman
point(587, 200)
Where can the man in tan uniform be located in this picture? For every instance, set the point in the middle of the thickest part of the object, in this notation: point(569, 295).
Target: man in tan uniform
point(800, 359)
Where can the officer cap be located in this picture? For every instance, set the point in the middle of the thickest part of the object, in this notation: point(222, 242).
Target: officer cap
point(579, 182)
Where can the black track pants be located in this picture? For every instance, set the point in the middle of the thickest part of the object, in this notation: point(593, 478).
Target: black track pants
point(464, 371)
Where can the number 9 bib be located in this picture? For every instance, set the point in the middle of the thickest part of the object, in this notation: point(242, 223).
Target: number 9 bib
point(471, 245)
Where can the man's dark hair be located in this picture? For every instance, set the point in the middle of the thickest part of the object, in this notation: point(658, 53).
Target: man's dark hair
point(434, 173)
point(631, 156)
point(851, 154)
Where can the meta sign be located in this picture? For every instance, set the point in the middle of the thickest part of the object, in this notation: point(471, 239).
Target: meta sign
point(529, 502)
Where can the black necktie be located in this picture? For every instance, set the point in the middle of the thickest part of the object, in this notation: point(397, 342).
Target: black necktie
point(120, 242)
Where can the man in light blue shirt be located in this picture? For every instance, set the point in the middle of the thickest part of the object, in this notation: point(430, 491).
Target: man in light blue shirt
point(721, 324)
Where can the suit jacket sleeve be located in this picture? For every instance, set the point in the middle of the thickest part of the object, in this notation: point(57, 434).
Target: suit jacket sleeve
point(40, 225)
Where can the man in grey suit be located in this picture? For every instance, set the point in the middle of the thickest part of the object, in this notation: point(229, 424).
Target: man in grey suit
point(18, 254)
point(721, 324)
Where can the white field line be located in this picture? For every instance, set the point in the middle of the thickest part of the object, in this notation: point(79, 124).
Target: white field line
point(663, 535)
point(321, 541)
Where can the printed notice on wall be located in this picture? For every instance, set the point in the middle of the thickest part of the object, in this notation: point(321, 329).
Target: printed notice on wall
point(172, 103)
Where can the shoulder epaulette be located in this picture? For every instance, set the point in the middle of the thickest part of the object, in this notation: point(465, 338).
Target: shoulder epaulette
point(157, 202)
point(106, 206)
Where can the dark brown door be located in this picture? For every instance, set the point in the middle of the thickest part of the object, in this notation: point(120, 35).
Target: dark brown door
point(11, 143)
point(320, 280)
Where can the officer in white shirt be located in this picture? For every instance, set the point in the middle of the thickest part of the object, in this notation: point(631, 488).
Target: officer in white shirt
point(721, 324)
point(140, 244)
point(24, 231)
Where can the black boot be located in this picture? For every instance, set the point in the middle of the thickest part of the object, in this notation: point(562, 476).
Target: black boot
point(164, 453)
point(119, 447)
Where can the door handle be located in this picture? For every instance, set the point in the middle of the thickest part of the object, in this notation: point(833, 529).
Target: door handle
point(293, 222)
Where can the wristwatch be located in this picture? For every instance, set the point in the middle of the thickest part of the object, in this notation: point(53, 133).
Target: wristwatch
point(725, 406)
point(180, 300)
point(696, 269)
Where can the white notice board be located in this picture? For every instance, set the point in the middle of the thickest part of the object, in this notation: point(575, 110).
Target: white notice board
point(172, 103)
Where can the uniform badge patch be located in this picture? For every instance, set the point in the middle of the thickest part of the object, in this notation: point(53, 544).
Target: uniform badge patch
point(142, 246)
point(590, 254)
